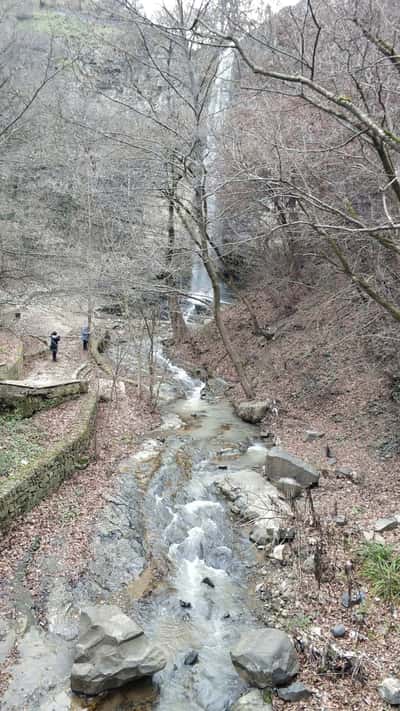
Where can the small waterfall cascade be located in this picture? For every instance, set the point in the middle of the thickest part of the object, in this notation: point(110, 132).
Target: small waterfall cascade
point(200, 287)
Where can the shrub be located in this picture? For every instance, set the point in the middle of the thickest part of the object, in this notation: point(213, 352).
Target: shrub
point(381, 567)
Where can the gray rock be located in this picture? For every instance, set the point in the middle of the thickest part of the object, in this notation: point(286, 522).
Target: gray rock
point(265, 531)
point(295, 692)
point(191, 658)
point(338, 631)
point(343, 472)
point(356, 599)
point(282, 465)
point(386, 524)
point(281, 552)
point(350, 474)
point(389, 690)
point(252, 410)
point(252, 701)
point(340, 520)
point(265, 657)
point(112, 650)
point(312, 435)
point(289, 488)
point(270, 531)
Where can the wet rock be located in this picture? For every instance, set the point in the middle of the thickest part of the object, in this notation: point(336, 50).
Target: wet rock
point(252, 701)
point(252, 410)
point(389, 690)
point(386, 524)
point(265, 658)
point(289, 488)
point(356, 599)
point(191, 658)
point(282, 465)
point(295, 692)
point(312, 435)
point(338, 631)
point(112, 650)
point(184, 604)
point(208, 582)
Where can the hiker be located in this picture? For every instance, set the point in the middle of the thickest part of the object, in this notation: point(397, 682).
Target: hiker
point(54, 340)
point(85, 334)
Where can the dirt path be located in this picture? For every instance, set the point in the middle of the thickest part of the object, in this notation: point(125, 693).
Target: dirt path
point(70, 356)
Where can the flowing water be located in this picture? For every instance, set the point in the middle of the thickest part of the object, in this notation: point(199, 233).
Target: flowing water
point(200, 602)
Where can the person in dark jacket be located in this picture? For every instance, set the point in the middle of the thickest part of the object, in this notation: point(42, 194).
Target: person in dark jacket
point(54, 340)
point(85, 335)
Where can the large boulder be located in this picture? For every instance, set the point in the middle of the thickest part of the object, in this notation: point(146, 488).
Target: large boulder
point(252, 701)
point(111, 651)
point(282, 465)
point(252, 410)
point(265, 658)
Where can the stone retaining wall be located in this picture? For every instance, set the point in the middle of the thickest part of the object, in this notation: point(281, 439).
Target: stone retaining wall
point(13, 370)
point(23, 489)
point(24, 397)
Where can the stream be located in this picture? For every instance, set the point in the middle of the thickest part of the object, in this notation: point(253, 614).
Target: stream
point(165, 550)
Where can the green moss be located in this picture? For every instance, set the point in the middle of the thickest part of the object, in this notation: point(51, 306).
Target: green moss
point(28, 484)
point(19, 442)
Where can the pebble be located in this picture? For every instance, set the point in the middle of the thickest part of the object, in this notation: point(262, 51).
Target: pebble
point(209, 582)
point(338, 631)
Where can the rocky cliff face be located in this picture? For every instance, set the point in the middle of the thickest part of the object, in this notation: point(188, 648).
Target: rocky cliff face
point(71, 193)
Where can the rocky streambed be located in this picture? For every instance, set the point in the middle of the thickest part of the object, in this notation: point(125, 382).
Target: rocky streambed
point(165, 551)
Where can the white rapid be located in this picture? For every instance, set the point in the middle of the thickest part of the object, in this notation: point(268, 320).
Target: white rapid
point(204, 605)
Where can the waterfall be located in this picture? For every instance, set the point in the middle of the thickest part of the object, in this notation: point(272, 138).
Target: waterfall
point(200, 287)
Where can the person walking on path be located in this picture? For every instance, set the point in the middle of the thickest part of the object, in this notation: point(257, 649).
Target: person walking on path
point(85, 335)
point(54, 340)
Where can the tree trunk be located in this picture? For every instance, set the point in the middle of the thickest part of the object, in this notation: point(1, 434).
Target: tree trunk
point(179, 328)
point(199, 199)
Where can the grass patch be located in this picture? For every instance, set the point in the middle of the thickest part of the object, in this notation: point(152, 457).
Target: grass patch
point(381, 567)
point(20, 441)
point(299, 622)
